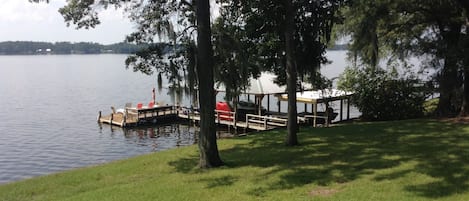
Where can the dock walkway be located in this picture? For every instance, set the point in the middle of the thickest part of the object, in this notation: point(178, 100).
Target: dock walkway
point(252, 121)
point(137, 116)
point(134, 117)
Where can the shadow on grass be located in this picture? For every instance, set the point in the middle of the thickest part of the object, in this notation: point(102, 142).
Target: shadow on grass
point(345, 153)
point(185, 165)
point(219, 181)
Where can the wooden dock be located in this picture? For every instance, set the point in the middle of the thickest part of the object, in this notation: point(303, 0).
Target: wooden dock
point(134, 117)
point(253, 122)
point(138, 116)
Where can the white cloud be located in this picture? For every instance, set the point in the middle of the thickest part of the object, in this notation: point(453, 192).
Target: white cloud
point(21, 20)
point(22, 10)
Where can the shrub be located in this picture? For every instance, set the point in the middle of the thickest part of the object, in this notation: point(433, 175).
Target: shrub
point(383, 95)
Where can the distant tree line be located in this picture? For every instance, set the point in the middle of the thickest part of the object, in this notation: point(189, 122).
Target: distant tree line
point(31, 48)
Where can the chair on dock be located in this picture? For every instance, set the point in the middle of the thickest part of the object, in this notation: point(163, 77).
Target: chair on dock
point(139, 105)
point(151, 104)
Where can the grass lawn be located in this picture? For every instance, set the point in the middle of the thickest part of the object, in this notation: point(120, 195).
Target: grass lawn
point(402, 160)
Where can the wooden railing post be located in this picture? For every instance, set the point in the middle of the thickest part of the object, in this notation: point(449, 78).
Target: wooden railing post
point(348, 108)
point(99, 116)
point(247, 120)
point(124, 121)
point(341, 109)
point(234, 120)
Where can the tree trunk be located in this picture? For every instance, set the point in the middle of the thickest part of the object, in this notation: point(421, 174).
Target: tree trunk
point(292, 124)
point(465, 101)
point(449, 76)
point(446, 89)
point(208, 149)
point(465, 98)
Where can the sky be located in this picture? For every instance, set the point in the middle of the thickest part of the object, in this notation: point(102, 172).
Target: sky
point(21, 20)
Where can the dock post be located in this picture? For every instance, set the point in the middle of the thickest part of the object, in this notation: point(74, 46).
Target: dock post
point(234, 120)
point(247, 121)
point(124, 121)
point(348, 108)
point(278, 105)
point(189, 116)
point(268, 102)
point(341, 109)
point(112, 118)
point(99, 115)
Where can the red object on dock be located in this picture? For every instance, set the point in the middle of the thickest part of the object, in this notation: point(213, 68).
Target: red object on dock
point(223, 106)
point(139, 105)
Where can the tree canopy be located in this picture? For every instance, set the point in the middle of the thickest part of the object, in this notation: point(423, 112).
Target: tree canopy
point(435, 29)
point(288, 38)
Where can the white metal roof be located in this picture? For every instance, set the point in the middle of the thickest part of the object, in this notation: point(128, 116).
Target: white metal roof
point(264, 85)
point(319, 95)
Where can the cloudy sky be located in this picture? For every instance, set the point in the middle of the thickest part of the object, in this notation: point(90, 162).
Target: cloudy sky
point(24, 21)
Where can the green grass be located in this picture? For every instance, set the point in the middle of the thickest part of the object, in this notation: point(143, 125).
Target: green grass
point(402, 160)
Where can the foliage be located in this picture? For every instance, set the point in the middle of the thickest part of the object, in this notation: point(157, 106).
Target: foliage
point(288, 38)
point(401, 160)
point(263, 22)
point(153, 20)
point(382, 95)
point(232, 54)
point(402, 28)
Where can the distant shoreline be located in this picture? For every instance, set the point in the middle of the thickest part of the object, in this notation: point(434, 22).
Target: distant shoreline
point(84, 48)
point(65, 48)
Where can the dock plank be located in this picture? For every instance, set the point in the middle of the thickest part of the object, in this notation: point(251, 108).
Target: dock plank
point(149, 115)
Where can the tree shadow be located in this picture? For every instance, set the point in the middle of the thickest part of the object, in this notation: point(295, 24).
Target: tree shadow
point(185, 165)
point(345, 153)
point(219, 181)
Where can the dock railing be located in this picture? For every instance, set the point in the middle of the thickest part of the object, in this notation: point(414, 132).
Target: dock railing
point(223, 115)
point(134, 115)
point(265, 120)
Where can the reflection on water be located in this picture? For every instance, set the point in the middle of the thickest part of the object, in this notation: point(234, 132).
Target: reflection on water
point(162, 137)
point(166, 136)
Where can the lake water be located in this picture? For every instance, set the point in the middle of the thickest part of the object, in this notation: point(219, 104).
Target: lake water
point(50, 104)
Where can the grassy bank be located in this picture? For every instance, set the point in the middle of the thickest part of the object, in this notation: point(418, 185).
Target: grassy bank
point(405, 160)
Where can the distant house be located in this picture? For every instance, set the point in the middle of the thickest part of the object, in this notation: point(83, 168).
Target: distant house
point(44, 51)
point(107, 51)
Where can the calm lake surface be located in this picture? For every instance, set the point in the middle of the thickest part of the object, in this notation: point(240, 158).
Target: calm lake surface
point(50, 104)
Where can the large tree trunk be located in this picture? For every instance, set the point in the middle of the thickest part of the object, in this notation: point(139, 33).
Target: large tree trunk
point(449, 76)
point(465, 101)
point(447, 82)
point(208, 149)
point(292, 124)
